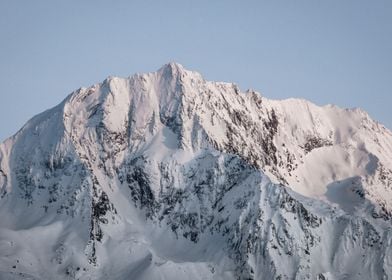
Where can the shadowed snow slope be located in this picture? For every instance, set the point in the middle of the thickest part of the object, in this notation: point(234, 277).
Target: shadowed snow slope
point(167, 176)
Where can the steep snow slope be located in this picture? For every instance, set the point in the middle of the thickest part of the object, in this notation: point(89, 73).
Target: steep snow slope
point(167, 176)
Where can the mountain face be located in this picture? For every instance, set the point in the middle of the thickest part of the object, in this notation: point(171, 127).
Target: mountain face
point(167, 176)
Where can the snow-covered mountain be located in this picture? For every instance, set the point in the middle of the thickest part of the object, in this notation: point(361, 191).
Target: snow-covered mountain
point(167, 176)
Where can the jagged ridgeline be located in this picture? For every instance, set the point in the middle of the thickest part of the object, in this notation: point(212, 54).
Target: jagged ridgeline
point(167, 176)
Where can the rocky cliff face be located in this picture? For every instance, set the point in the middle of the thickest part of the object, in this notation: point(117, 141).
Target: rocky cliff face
point(168, 176)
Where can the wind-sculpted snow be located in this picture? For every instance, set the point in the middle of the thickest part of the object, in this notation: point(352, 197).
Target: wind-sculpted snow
point(167, 176)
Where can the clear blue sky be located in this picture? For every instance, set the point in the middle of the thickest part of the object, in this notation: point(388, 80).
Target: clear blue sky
point(326, 51)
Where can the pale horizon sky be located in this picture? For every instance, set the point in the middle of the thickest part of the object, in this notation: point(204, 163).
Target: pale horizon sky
point(329, 52)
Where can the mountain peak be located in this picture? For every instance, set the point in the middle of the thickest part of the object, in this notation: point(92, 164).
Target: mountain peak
point(172, 68)
point(166, 175)
point(174, 65)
